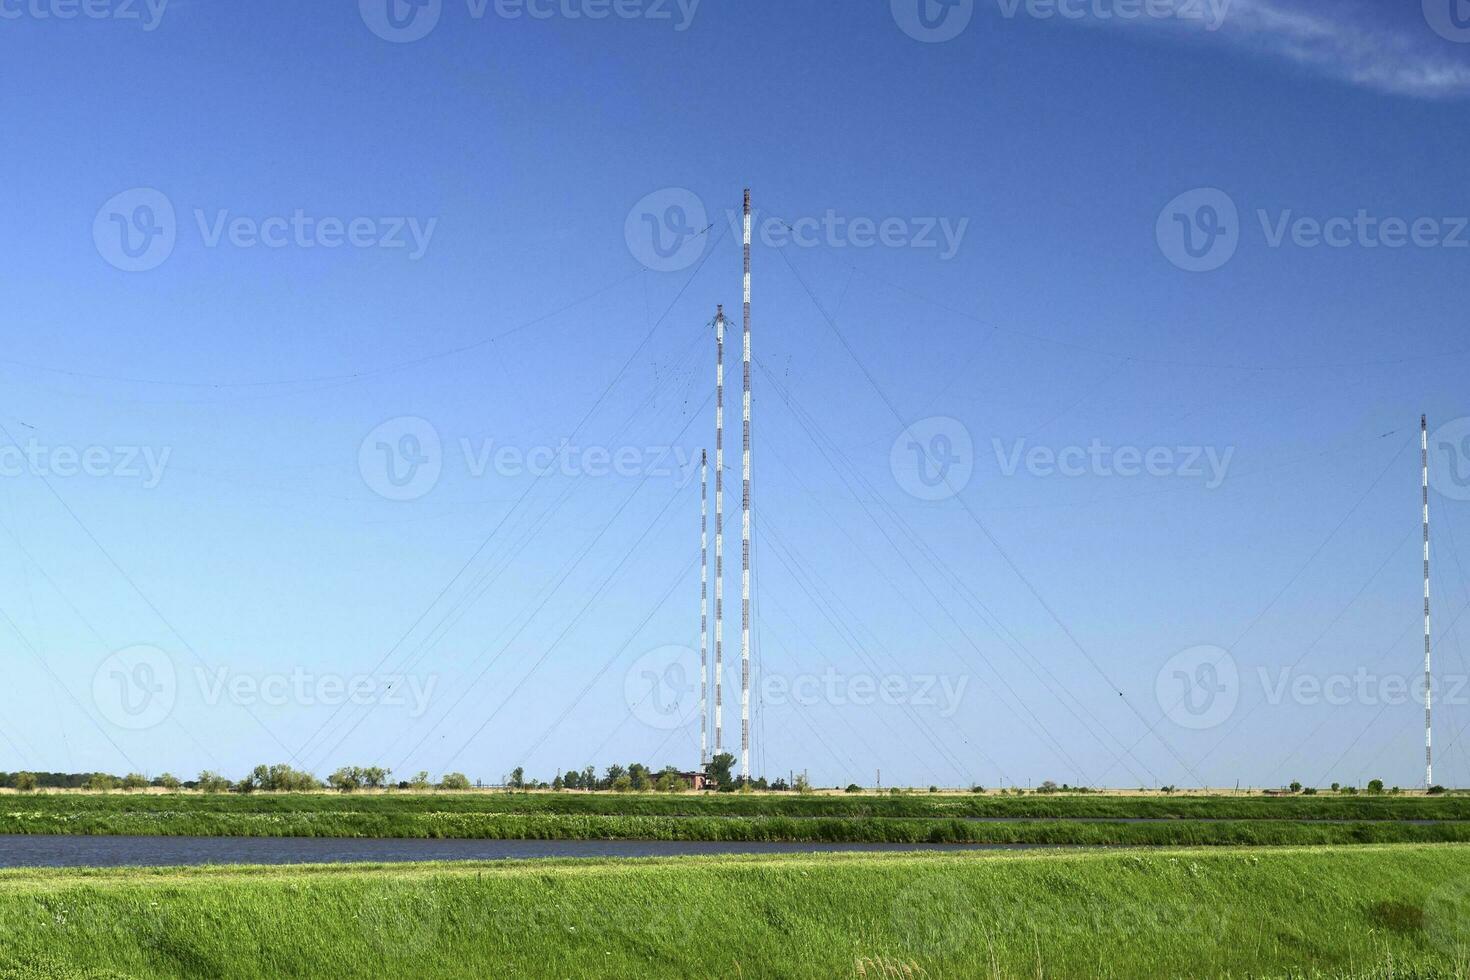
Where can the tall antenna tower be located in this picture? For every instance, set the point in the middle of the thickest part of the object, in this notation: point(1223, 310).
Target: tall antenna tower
point(745, 521)
point(1428, 701)
point(719, 526)
point(703, 608)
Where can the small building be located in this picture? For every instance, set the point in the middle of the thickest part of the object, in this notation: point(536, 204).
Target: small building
point(696, 781)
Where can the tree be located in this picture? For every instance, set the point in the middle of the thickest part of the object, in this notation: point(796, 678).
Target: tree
point(1296, 787)
point(639, 776)
point(169, 782)
point(420, 781)
point(100, 782)
point(454, 781)
point(25, 782)
point(375, 777)
point(346, 779)
point(802, 785)
point(589, 778)
point(1375, 786)
point(717, 771)
point(518, 777)
point(853, 788)
point(212, 782)
point(614, 773)
point(135, 780)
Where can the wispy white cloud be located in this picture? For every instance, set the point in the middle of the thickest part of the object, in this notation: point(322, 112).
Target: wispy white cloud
point(1341, 40)
point(1385, 45)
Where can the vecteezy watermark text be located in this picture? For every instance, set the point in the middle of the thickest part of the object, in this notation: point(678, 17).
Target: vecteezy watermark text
point(937, 21)
point(305, 688)
point(662, 689)
point(1200, 688)
point(405, 21)
point(137, 230)
point(138, 687)
point(1098, 459)
point(148, 14)
point(1209, 13)
point(146, 464)
point(832, 229)
point(1201, 230)
point(404, 458)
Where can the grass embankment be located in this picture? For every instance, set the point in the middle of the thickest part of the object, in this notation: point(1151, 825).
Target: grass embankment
point(739, 818)
point(893, 830)
point(1395, 911)
point(751, 805)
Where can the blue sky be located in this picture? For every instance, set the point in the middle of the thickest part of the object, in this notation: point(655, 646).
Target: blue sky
point(1161, 298)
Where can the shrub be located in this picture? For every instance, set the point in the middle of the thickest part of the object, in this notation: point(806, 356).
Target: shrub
point(853, 788)
point(169, 782)
point(25, 782)
point(100, 782)
point(454, 780)
point(135, 780)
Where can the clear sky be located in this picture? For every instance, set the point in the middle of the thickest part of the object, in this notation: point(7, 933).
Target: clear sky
point(297, 296)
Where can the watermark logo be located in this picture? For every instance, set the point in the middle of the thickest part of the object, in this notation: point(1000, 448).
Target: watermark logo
point(1449, 459)
point(665, 230)
point(135, 231)
point(934, 917)
point(1198, 688)
point(944, 236)
point(307, 689)
point(401, 459)
point(1363, 687)
point(1210, 13)
point(1447, 918)
point(135, 688)
point(933, 459)
point(575, 460)
point(1199, 230)
point(942, 692)
point(400, 21)
point(662, 688)
point(145, 464)
point(1450, 19)
point(933, 21)
point(147, 13)
point(1098, 459)
point(405, 21)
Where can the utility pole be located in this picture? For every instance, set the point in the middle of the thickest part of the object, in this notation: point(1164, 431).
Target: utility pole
point(745, 520)
point(1428, 701)
point(719, 527)
point(703, 608)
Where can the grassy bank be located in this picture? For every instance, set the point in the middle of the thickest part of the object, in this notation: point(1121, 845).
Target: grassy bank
point(907, 830)
point(1396, 911)
point(391, 807)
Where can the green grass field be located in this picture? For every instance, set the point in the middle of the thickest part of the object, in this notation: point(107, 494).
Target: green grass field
point(1396, 911)
point(936, 819)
